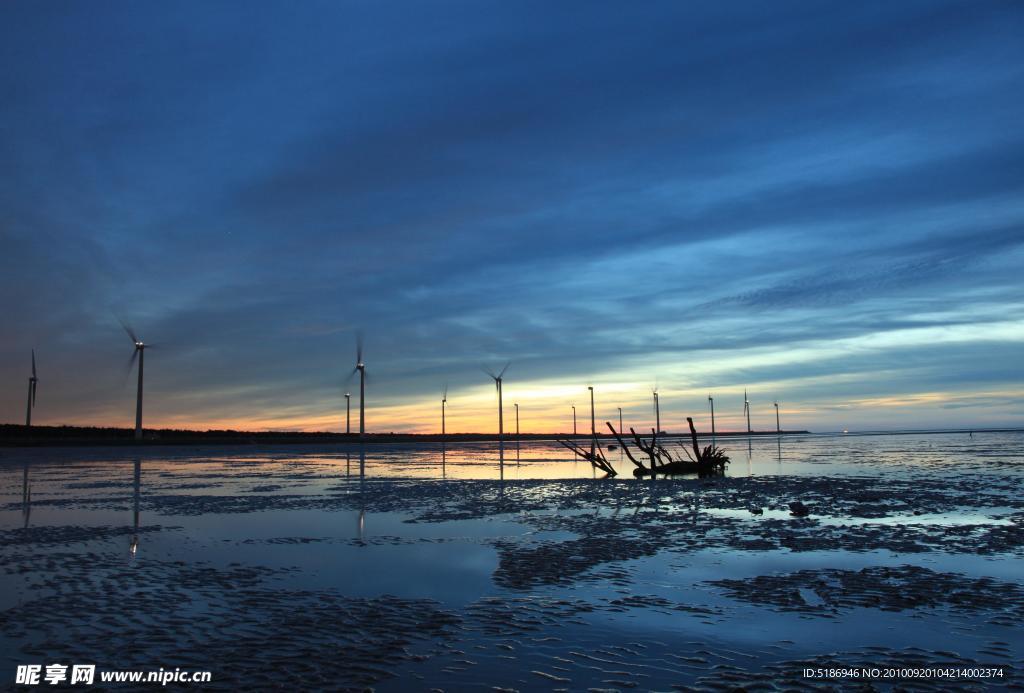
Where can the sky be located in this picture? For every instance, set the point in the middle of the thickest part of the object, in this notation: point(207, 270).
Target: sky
point(822, 203)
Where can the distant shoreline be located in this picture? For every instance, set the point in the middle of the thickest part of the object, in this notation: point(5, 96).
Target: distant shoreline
point(12, 435)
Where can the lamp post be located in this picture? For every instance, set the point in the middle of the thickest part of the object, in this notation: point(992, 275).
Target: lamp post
point(593, 428)
point(711, 401)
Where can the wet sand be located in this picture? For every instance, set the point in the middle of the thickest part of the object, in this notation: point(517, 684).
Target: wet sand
point(295, 571)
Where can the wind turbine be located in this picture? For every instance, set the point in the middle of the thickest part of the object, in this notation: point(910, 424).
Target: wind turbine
point(32, 382)
point(348, 413)
point(778, 430)
point(361, 369)
point(497, 383)
point(746, 409)
point(711, 401)
point(140, 353)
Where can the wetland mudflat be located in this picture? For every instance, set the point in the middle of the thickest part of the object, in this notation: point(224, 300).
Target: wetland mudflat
point(412, 568)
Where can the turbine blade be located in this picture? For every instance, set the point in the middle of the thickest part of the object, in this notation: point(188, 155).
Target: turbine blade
point(131, 361)
point(444, 395)
point(359, 347)
point(33, 363)
point(489, 372)
point(507, 364)
point(34, 384)
point(129, 330)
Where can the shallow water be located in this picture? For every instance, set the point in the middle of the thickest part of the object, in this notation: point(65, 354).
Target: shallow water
point(418, 566)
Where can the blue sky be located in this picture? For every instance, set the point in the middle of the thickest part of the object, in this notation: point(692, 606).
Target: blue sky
point(820, 202)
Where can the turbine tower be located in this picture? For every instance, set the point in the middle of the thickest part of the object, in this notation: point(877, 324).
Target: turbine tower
point(778, 429)
point(32, 382)
point(497, 384)
point(711, 402)
point(139, 353)
point(361, 369)
point(746, 409)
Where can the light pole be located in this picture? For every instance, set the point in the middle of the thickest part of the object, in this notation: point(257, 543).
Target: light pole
point(348, 413)
point(711, 401)
point(657, 413)
point(620, 419)
point(778, 429)
point(517, 432)
point(593, 428)
point(574, 421)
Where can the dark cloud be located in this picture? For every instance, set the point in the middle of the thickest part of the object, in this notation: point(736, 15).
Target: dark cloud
point(589, 189)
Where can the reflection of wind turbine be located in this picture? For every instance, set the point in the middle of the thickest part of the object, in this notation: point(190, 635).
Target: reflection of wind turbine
point(497, 383)
point(138, 483)
point(26, 496)
point(361, 369)
point(31, 392)
point(139, 353)
point(746, 409)
point(361, 521)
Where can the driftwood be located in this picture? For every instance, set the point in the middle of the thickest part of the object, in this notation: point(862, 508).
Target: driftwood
point(709, 461)
point(594, 455)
